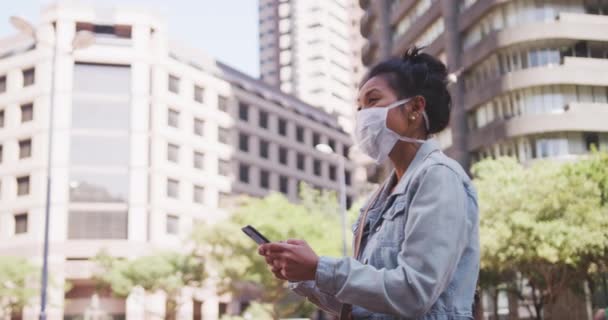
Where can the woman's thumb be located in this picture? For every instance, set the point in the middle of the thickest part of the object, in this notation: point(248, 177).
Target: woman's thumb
point(296, 241)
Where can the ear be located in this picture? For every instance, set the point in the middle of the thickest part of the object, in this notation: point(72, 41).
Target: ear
point(419, 104)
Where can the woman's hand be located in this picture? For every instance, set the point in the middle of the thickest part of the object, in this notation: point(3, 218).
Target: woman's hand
point(293, 260)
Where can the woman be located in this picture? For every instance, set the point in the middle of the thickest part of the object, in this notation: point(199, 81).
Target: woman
point(417, 250)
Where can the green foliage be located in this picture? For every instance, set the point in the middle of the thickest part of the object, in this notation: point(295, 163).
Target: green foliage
point(547, 223)
point(168, 272)
point(16, 290)
point(240, 268)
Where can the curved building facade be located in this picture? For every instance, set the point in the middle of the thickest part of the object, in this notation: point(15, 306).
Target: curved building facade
point(532, 79)
point(532, 75)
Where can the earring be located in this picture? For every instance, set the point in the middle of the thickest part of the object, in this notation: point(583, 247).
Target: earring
point(413, 118)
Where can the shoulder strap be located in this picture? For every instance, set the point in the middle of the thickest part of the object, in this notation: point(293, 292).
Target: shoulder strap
point(361, 225)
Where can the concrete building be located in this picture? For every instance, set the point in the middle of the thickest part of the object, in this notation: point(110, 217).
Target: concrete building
point(312, 50)
point(533, 75)
point(149, 139)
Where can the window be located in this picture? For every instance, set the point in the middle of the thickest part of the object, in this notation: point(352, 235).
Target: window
point(263, 120)
point(225, 200)
point(349, 202)
point(332, 144)
point(198, 194)
point(264, 179)
point(345, 151)
point(197, 307)
point(332, 173)
point(317, 167)
point(23, 186)
point(222, 309)
point(102, 79)
point(244, 173)
point(2, 84)
point(172, 224)
point(173, 152)
point(199, 127)
point(100, 150)
point(199, 94)
point(243, 142)
point(282, 127)
point(199, 160)
point(284, 185)
point(29, 77)
point(223, 135)
point(98, 187)
point(316, 139)
point(27, 112)
point(300, 134)
point(347, 178)
point(1, 118)
point(224, 168)
point(301, 161)
point(283, 154)
point(172, 188)
point(25, 148)
point(97, 225)
point(173, 84)
point(106, 31)
point(264, 146)
point(592, 140)
point(173, 118)
point(222, 103)
point(21, 223)
point(243, 111)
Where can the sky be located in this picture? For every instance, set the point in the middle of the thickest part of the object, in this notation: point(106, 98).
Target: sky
point(224, 29)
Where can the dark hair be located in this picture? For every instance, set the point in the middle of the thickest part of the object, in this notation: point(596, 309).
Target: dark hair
point(417, 73)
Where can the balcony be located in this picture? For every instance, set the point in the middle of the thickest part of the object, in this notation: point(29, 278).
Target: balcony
point(572, 71)
point(368, 52)
point(579, 117)
point(367, 22)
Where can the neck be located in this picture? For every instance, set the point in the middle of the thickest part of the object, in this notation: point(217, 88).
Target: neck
point(402, 156)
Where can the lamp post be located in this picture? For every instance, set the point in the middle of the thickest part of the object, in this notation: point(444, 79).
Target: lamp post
point(81, 40)
point(342, 196)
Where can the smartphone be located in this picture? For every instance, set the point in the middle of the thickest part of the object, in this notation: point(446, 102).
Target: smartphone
point(255, 235)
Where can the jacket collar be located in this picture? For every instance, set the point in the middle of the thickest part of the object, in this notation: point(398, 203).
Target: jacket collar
point(425, 150)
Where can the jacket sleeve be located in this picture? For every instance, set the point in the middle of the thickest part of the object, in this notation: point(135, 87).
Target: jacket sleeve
point(436, 234)
point(309, 290)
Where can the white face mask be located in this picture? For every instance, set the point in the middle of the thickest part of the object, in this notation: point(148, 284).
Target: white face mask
point(372, 135)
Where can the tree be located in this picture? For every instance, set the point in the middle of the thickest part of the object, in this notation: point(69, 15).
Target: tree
point(541, 227)
point(16, 276)
point(240, 268)
point(168, 272)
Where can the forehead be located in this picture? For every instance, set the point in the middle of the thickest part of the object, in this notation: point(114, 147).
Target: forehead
point(376, 82)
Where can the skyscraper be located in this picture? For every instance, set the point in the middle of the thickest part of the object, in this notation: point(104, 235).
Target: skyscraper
point(532, 75)
point(311, 49)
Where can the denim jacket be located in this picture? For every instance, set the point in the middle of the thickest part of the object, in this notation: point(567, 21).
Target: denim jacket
point(419, 252)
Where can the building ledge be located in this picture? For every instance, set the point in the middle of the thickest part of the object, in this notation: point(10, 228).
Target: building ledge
point(574, 71)
point(580, 117)
point(568, 26)
point(415, 30)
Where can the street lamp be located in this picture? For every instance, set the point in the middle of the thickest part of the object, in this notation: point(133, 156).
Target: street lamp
point(81, 40)
point(323, 148)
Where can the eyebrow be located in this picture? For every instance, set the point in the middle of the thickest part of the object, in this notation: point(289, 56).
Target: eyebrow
point(369, 92)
